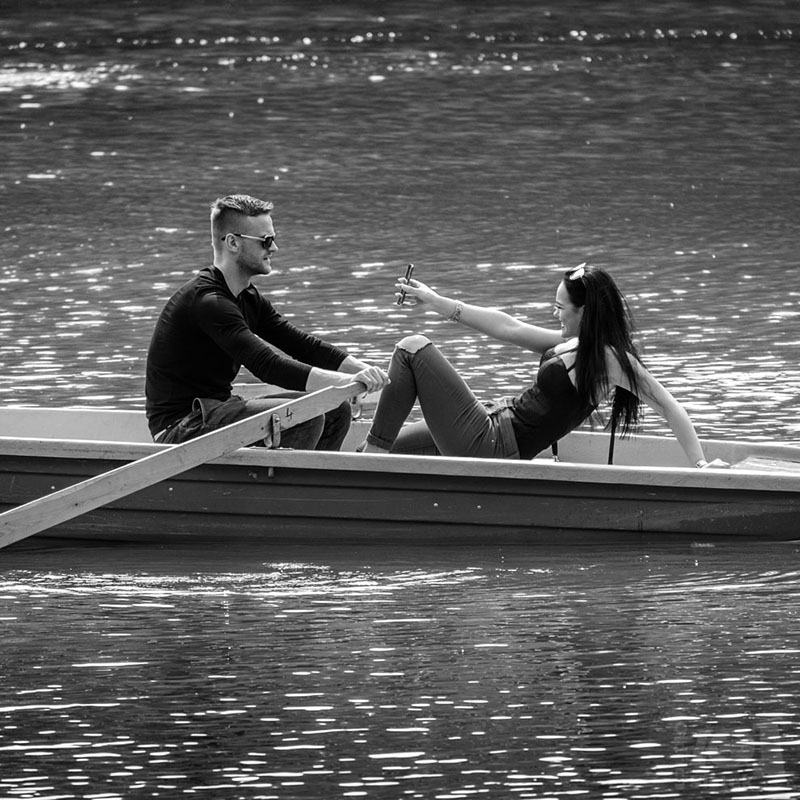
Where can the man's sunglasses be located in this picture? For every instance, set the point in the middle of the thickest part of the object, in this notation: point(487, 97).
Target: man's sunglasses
point(266, 241)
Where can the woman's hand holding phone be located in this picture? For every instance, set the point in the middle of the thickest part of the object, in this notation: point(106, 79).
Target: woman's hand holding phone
point(401, 298)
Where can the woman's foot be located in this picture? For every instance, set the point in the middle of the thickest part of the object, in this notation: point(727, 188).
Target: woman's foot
point(366, 447)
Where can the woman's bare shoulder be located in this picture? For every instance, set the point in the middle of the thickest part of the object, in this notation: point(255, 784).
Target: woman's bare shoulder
point(567, 346)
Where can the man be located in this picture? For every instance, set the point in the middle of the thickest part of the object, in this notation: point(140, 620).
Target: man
point(218, 321)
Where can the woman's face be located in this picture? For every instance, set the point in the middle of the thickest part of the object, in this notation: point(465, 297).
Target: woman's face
point(567, 314)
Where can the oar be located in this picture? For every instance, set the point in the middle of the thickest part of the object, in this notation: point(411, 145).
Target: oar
point(60, 506)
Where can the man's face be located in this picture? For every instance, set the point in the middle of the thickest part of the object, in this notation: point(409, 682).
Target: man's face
point(253, 258)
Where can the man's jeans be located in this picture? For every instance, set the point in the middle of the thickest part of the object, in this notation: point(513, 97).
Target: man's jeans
point(320, 433)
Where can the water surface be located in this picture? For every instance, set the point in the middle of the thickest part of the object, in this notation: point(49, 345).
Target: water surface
point(380, 672)
point(493, 146)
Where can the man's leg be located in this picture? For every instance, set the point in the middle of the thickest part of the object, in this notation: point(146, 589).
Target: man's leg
point(304, 436)
point(337, 424)
point(315, 434)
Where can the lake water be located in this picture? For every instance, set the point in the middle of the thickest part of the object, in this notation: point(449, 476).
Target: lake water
point(492, 146)
point(387, 673)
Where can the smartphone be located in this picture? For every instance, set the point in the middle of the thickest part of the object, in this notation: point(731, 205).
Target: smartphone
point(409, 273)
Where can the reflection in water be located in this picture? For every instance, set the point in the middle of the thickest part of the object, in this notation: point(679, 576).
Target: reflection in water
point(383, 674)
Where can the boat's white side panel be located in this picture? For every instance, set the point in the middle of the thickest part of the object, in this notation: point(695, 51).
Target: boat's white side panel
point(580, 447)
point(89, 424)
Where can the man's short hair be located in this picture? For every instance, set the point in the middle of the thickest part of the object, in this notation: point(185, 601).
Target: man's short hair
point(225, 212)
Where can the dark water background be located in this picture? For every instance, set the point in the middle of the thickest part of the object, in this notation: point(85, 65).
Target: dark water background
point(493, 145)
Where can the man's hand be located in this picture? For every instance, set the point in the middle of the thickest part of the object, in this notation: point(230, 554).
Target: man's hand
point(374, 378)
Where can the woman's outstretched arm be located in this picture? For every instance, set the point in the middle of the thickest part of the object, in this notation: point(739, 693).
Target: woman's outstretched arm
point(491, 321)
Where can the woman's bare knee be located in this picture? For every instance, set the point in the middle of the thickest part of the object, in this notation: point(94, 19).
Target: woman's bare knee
point(413, 343)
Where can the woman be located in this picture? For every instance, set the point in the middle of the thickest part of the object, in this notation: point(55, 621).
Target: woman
point(590, 359)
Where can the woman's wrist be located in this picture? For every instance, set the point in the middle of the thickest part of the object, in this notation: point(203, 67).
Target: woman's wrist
point(441, 305)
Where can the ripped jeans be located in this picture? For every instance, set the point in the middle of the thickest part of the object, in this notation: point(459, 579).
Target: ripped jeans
point(455, 422)
point(320, 433)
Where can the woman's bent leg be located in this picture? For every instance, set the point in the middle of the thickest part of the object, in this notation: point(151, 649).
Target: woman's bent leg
point(396, 400)
point(415, 439)
point(458, 423)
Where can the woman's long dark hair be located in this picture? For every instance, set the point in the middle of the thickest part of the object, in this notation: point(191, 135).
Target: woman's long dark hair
point(606, 323)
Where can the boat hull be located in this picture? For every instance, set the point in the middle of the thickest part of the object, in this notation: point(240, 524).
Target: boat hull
point(291, 496)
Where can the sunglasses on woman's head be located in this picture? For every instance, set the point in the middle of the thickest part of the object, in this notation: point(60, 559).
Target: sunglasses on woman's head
point(577, 272)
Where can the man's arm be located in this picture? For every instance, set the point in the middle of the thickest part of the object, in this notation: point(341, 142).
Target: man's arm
point(231, 328)
point(351, 365)
point(305, 348)
point(329, 365)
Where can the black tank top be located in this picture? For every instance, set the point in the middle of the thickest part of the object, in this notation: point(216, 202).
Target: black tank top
point(547, 410)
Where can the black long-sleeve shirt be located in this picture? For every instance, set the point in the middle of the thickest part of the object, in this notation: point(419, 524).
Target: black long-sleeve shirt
point(204, 335)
